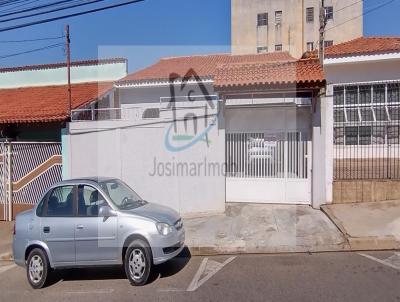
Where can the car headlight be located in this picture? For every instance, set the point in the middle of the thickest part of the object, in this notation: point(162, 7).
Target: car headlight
point(164, 228)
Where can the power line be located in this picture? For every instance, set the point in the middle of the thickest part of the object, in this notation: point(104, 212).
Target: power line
point(33, 8)
point(68, 16)
point(32, 50)
point(32, 40)
point(51, 11)
point(347, 6)
point(23, 4)
point(363, 14)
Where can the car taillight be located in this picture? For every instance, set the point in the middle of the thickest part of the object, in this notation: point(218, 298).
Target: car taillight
point(14, 231)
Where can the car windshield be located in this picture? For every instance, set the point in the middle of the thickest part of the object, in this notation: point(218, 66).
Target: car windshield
point(121, 194)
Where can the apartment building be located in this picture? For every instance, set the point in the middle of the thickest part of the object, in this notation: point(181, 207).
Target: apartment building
point(260, 26)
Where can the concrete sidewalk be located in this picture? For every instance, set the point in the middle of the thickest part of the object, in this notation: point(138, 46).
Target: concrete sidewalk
point(368, 226)
point(256, 228)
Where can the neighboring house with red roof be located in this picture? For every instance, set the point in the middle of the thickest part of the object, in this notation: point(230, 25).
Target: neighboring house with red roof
point(363, 85)
point(34, 99)
point(194, 132)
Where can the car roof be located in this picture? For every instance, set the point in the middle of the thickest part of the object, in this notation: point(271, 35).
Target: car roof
point(95, 179)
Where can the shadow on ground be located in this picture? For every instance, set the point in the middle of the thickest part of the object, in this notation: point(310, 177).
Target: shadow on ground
point(164, 270)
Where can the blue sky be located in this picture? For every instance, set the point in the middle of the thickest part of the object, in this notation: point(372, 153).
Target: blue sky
point(166, 27)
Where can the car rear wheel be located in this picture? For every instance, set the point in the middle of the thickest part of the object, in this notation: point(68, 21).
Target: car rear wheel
point(37, 268)
point(138, 262)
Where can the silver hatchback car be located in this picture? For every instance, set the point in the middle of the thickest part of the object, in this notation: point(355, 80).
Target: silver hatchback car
point(95, 222)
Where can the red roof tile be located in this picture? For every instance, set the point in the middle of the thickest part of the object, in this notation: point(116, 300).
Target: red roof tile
point(46, 104)
point(364, 46)
point(204, 66)
point(60, 65)
point(294, 72)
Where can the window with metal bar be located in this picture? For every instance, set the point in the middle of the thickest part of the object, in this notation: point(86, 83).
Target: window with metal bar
point(393, 93)
point(380, 113)
point(351, 95)
point(365, 135)
point(338, 137)
point(310, 14)
point(351, 135)
point(278, 17)
point(365, 95)
point(378, 135)
point(262, 19)
point(366, 114)
point(379, 93)
point(339, 116)
point(338, 95)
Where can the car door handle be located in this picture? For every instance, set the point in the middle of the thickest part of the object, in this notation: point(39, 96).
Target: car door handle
point(46, 229)
point(80, 227)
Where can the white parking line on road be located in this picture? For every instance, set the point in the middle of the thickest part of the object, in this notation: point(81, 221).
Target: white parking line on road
point(210, 268)
point(386, 262)
point(90, 292)
point(5, 268)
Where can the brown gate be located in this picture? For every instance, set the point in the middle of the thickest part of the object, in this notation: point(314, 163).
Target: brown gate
point(27, 169)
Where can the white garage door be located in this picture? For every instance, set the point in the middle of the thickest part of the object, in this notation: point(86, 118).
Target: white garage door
point(268, 165)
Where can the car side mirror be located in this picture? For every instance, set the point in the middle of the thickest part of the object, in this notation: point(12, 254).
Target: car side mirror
point(106, 211)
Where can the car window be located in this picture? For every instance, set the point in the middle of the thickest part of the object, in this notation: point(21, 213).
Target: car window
point(60, 202)
point(40, 207)
point(122, 196)
point(89, 201)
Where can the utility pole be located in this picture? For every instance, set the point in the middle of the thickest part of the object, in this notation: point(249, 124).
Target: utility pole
point(68, 42)
point(322, 25)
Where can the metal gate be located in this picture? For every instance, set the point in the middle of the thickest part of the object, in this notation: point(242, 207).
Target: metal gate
point(4, 182)
point(27, 169)
point(267, 167)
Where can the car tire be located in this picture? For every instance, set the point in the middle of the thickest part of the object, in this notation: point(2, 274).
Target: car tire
point(37, 268)
point(138, 262)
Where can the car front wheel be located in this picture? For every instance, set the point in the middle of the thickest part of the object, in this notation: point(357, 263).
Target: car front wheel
point(37, 268)
point(138, 262)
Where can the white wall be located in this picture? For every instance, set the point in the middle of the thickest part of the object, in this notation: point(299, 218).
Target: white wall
point(367, 71)
point(58, 76)
point(130, 149)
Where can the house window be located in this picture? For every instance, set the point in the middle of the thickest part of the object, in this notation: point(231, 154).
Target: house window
point(394, 113)
point(365, 95)
point(338, 135)
point(351, 95)
point(393, 91)
point(262, 19)
point(351, 134)
point(380, 113)
point(379, 94)
point(365, 135)
point(329, 12)
point(339, 116)
point(262, 49)
point(328, 43)
point(310, 14)
point(352, 115)
point(310, 46)
point(368, 113)
point(278, 47)
point(378, 135)
point(278, 17)
point(393, 134)
point(338, 95)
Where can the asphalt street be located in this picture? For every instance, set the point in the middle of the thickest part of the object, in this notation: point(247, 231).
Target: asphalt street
point(368, 276)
